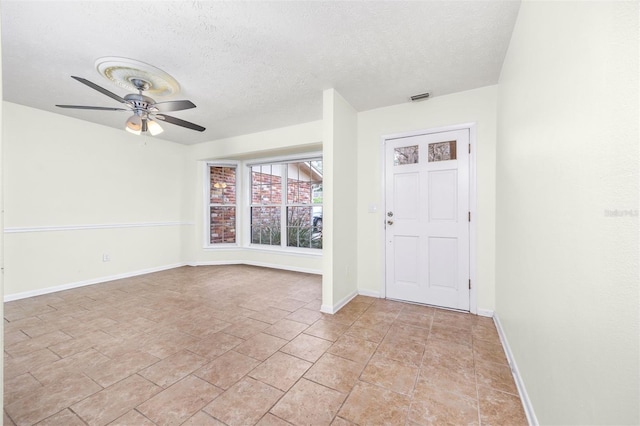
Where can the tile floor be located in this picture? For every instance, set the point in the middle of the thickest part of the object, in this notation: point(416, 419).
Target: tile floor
point(241, 345)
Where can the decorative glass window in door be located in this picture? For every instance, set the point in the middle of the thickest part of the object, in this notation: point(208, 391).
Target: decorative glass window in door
point(405, 155)
point(442, 151)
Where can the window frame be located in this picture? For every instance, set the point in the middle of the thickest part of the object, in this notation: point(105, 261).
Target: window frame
point(207, 204)
point(246, 224)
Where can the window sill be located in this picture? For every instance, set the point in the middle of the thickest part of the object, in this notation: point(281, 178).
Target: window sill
point(286, 251)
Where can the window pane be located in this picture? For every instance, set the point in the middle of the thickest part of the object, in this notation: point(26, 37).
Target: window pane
point(223, 225)
point(304, 227)
point(302, 178)
point(405, 155)
point(266, 184)
point(442, 151)
point(265, 225)
point(223, 185)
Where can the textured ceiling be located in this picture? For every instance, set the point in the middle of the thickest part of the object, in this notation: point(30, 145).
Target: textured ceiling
point(252, 66)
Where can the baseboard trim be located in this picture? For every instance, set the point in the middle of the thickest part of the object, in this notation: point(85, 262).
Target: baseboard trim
point(341, 304)
point(485, 313)
point(524, 397)
point(261, 264)
point(48, 290)
point(370, 293)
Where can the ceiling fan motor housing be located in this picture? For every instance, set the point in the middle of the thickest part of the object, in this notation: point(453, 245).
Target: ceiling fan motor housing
point(139, 102)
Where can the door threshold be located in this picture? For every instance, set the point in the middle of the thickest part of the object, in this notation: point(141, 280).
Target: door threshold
point(428, 305)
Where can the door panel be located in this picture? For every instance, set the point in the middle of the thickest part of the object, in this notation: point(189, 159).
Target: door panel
point(427, 229)
point(443, 195)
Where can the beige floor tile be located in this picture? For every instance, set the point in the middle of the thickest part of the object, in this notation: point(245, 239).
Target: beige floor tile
point(432, 406)
point(486, 332)
point(339, 421)
point(402, 331)
point(414, 319)
point(19, 365)
point(405, 351)
point(193, 326)
point(374, 335)
point(450, 355)
point(215, 345)
point(132, 418)
point(270, 315)
point(286, 329)
point(496, 376)
point(244, 403)
point(202, 329)
point(451, 334)
point(461, 381)
point(12, 337)
point(165, 344)
point(118, 368)
point(335, 372)
point(202, 419)
point(179, 402)
point(64, 417)
point(288, 304)
point(114, 401)
point(280, 370)
point(51, 399)
point(307, 347)
point(18, 387)
point(305, 316)
point(499, 408)
point(227, 369)
point(309, 403)
point(261, 346)
point(372, 405)
point(173, 368)
point(328, 330)
point(488, 351)
point(37, 343)
point(245, 328)
point(271, 420)
point(353, 348)
point(390, 374)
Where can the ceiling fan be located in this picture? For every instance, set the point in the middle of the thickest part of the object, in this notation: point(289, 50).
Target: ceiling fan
point(146, 111)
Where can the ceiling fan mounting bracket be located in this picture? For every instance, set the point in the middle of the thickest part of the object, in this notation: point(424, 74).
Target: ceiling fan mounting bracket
point(140, 84)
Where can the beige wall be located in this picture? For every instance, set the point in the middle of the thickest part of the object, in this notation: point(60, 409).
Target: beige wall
point(477, 106)
point(339, 280)
point(567, 273)
point(63, 172)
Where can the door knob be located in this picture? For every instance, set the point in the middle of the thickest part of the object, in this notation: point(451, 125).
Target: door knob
point(390, 222)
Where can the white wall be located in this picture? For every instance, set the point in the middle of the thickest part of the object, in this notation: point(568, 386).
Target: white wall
point(477, 106)
point(567, 274)
point(68, 173)
point(339, 280)
point(1, 234)
point(282, 141)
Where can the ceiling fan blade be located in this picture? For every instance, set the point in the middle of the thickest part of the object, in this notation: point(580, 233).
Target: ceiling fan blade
point(99, 89)
point(174, 105)
point(180, 122)
point(92, 107)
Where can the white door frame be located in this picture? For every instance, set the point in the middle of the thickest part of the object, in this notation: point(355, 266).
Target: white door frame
point(473, 307)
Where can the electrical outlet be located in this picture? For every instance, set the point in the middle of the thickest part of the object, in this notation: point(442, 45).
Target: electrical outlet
point(106, 257)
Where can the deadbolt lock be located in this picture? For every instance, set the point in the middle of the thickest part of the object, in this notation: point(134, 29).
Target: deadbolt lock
point(390, 214)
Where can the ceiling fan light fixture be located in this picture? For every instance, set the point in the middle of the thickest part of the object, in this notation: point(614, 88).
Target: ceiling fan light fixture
point(134, 124)
point(153, 127)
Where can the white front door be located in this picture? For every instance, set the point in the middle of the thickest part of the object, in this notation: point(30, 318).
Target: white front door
point(427, 219)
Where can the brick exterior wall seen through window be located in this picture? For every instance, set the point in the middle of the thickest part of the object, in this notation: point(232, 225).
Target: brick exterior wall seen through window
point(222, 212)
